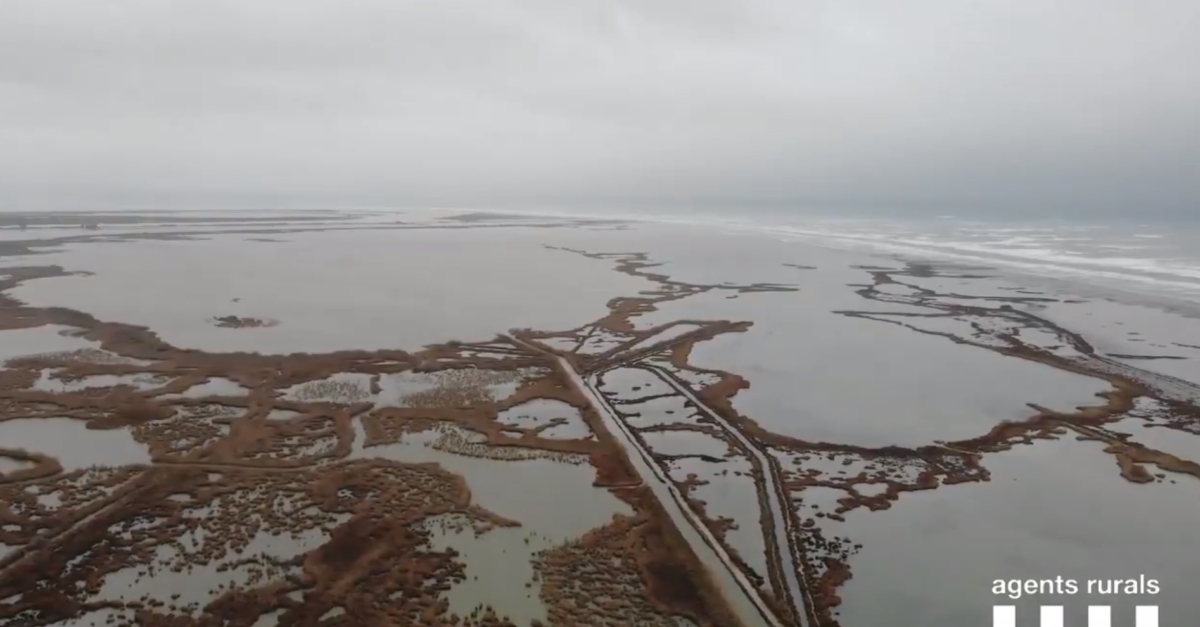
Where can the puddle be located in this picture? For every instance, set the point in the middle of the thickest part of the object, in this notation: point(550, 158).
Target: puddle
point(72, 443)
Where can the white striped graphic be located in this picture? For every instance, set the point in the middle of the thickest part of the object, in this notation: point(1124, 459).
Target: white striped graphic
point(1099, 616)
point(1052, 616)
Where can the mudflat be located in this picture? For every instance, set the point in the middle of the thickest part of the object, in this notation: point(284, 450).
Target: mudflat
point(441, 418)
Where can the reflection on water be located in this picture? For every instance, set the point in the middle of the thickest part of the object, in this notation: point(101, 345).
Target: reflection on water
point(1056, 508)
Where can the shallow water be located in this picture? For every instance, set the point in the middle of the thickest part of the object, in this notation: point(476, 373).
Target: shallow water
point(1053, 508)
point(630, 384)
point(215, 386)
point(599, 341)
point(499, 570)
point(1178, 443)
point(98, 618)
point(47, 383)
point(340, 387)
point(177, 287)
point(268, 620)
point(8, 465)
point(1057, 508)
point(39, 340)
point(665, 335)
point(729, 495)
point(1144, 426)
point(693, 379)
point(197, 585)
point(742, 599)
point(1116, 328)
point(563, 505)
point(395, 387)
point(282, 414)
point(820, 376)
point(685, 443)
point(541, 411)
point(72, 443)
point(804, 361)
point(659, 411)
point(553, 501)
point(405, 389)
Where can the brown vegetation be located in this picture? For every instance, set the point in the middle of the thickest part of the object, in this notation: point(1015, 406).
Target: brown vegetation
point(231, 472)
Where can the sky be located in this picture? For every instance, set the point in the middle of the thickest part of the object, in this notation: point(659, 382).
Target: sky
point(939, 106)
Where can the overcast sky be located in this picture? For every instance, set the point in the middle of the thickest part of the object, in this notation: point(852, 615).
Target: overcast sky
point(1081, 105)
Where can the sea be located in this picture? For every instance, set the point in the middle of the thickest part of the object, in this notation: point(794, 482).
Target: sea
point(1153, 260)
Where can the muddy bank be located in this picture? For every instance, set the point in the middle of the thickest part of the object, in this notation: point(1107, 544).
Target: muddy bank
point(264, 492)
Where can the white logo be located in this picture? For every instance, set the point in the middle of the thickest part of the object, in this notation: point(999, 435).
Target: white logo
point(1052, 616)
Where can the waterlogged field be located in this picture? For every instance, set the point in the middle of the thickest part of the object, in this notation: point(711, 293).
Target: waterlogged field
point(480, 419)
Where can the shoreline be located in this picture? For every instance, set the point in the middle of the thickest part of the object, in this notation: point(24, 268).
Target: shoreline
point(451, 396)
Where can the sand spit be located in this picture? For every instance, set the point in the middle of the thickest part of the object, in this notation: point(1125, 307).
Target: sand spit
point(295, 489)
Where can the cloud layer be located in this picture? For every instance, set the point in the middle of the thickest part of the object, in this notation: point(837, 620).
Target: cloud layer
point(1072, 105)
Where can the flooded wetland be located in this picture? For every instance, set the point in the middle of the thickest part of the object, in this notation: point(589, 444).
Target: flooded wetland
point(468, 419)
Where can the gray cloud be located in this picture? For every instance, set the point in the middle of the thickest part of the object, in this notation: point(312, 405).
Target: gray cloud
point(1073, 104)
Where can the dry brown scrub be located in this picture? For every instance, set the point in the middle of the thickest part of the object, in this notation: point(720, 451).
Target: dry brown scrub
point(889, 472)
point(250, 474)
point(627, 573)
point(225, 473)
